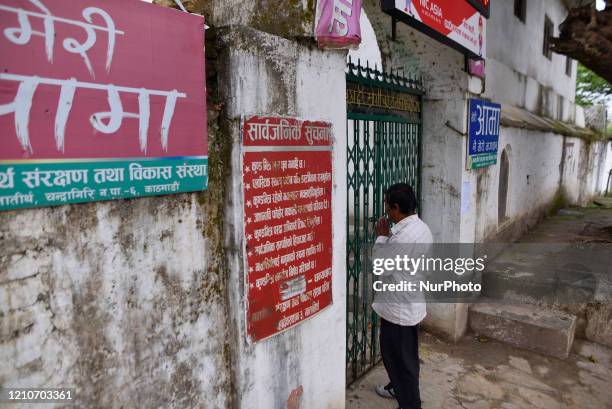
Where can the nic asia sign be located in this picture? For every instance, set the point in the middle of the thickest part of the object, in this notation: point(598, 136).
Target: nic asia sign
point(453, 22)
point(99, 100)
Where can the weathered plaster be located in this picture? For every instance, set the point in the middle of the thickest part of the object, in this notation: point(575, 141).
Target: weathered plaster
point(124, 300)
point(302, 367)
point(121, 300)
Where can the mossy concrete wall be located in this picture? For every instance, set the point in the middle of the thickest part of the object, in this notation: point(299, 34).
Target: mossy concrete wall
point(140, 303)
point(123, 300)
point(304, 366)
point(289, 19)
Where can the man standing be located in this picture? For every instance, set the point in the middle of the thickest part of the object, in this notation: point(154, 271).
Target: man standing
point(399, 342)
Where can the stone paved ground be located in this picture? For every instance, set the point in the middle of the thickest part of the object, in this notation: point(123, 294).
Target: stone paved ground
point(490, 375)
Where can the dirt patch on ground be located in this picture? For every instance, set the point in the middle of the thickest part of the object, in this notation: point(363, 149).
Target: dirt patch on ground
point(484, 375)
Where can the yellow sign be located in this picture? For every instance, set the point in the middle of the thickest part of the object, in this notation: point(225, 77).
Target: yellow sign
point(365, 96)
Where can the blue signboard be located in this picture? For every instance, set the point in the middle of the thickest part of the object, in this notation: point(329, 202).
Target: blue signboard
point(483, 133)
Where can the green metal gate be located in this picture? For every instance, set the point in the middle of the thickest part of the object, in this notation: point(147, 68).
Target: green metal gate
point(384, 145)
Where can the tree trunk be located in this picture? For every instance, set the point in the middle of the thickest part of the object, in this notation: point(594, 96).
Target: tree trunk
point(586, 36)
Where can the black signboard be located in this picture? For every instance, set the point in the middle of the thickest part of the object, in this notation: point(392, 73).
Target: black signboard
point(483, 6)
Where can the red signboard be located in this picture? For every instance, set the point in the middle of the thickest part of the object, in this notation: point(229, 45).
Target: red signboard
point(287, 177)
point(453, 22)
point(114, 88)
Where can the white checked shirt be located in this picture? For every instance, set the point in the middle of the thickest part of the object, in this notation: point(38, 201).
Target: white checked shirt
point(407, 231)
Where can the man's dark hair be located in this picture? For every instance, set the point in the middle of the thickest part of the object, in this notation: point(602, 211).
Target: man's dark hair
point(402, 194)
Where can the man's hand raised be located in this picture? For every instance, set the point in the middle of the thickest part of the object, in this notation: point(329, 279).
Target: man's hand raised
point(382, 227)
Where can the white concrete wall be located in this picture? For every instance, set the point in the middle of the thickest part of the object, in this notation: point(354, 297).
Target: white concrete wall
point(595, 163)
point(598, 153)
point(538, 178)
point(270, 75)
point(122, 300)
point(534, 176)
point(517, 71)
point(584, 170)
point(607, 167)
point(368, 52)
point(572, 174)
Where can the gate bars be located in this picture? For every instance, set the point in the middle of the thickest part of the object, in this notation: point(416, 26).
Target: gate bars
point(384, 127)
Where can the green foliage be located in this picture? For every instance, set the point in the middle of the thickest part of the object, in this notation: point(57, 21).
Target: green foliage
point(591, 88)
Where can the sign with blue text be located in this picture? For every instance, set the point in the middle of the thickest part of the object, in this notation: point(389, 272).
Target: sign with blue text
point(483, 133)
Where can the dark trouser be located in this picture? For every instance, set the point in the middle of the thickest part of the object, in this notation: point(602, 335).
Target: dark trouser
point(399, 347)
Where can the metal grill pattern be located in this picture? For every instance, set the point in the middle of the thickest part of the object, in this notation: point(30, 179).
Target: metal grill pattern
point(383, 148)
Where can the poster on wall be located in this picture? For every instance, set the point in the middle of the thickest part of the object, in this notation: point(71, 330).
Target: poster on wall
point(99, 100)
point(453, 22)
point(338, 23)
point(483, 133)
point(287, 182)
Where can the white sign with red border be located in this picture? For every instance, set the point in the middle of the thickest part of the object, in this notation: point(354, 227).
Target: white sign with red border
point(453, 22)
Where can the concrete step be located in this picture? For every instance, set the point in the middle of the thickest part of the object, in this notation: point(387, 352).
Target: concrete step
point(545, 331)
